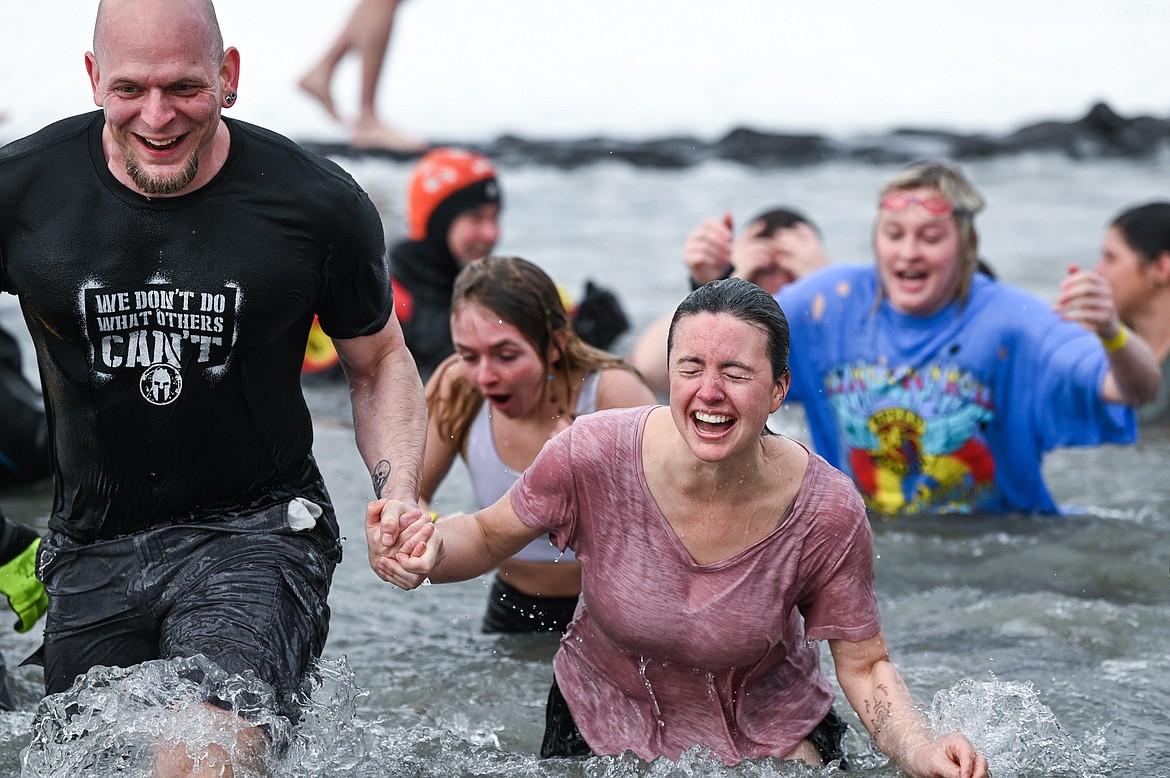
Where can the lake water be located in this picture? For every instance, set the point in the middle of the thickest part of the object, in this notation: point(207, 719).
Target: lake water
point(1047, 640)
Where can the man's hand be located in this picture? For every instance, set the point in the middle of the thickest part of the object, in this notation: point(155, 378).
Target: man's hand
point(402, 544)
point(799, 250)
point(707, 250)
point(773, 261)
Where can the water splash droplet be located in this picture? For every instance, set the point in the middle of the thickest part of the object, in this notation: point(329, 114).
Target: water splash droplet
point(643, 662)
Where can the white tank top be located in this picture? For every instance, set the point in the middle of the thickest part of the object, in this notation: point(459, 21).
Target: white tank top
point(490, 477)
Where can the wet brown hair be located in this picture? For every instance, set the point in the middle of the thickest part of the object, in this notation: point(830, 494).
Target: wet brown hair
point(522, 295)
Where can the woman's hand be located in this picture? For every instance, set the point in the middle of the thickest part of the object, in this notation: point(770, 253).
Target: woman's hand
point(950, 756)
point(1087, 298)
point(402, 543)
point(877, 692)
point(1134, 375)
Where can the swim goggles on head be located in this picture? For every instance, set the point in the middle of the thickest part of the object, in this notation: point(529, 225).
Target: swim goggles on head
point(935, 205)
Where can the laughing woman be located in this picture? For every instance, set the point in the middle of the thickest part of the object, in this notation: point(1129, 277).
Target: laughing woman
point(519, 375)
point(713, 553)
point(939, 389)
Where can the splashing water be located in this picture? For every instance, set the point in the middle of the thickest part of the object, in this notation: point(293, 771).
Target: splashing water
point(327, 740)
point(111, 722)
point(114, 720)
point(697, 762)
point(1018, 734)
point(643, 663)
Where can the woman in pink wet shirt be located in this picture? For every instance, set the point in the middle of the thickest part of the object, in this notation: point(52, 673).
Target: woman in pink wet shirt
point(713, 552)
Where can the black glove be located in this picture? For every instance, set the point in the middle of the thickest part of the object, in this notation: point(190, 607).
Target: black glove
point(599, 319)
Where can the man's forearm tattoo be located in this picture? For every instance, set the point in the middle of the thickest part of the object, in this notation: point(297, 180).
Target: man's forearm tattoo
point(380, 476)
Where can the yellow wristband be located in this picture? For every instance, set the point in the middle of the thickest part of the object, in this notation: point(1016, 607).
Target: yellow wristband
point(1118, 341)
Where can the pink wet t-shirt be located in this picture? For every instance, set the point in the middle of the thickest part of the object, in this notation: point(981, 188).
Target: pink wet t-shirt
point(664, 653)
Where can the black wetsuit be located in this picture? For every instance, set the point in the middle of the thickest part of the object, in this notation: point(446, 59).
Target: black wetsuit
point(423, 272)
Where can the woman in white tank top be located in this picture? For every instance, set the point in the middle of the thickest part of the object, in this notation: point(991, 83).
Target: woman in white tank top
point(519, 375)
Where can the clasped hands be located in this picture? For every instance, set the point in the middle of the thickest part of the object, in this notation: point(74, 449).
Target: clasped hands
point(402, 542)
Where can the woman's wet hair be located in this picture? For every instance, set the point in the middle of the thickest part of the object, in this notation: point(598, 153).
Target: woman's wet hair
point(1146, 229)
point(524, 296)
point(520, 293)
point(746, 302)
point(949, 181)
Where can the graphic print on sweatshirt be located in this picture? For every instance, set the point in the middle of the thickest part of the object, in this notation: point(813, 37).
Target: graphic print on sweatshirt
point(155, 330)
point(914, 437)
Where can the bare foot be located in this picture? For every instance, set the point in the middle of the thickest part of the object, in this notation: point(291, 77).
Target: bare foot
point(316, 83)
point(376, 135)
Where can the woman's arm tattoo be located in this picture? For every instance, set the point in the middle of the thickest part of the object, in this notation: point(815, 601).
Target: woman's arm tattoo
point(880, 708)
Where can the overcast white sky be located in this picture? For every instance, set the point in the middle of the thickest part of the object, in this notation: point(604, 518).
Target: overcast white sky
point(472, 69)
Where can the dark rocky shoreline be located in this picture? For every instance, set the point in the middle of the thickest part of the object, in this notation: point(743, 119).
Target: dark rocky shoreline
point(1101, 133)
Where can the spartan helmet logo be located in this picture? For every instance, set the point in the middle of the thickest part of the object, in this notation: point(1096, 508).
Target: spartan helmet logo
point(160, 384)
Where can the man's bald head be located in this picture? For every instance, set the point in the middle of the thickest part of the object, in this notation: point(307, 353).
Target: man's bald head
point(118, 12)
point(161, 75)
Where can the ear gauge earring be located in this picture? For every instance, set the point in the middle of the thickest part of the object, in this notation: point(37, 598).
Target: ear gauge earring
point(229, 99)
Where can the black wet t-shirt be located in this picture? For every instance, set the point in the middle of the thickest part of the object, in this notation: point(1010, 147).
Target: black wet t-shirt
point(170, 331)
